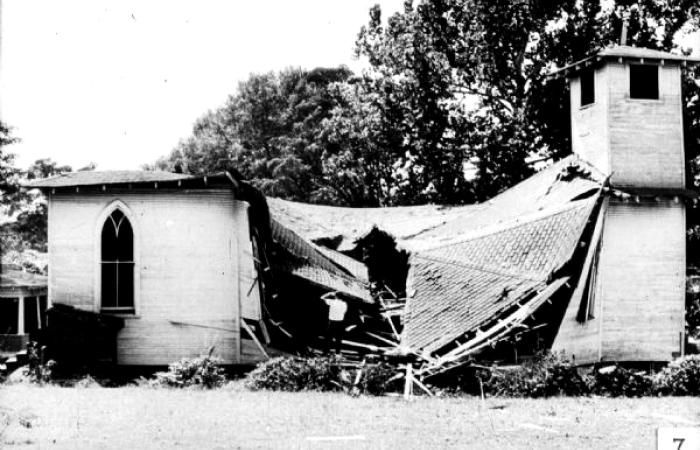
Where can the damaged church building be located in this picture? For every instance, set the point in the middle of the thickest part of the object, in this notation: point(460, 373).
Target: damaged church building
point(586, 257)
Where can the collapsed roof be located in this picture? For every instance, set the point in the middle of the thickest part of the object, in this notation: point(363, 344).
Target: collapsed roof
point(476, 267)
point(427, 226)
point(327, 269)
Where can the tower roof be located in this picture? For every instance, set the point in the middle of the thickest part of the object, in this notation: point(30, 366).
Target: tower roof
point(625, 52)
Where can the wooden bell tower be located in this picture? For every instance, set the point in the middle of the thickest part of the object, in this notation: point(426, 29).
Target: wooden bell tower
point(627, 121)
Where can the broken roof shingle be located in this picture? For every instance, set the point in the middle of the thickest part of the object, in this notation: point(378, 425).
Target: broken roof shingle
point(305, 260)
point(356, 268)
point(450, 299)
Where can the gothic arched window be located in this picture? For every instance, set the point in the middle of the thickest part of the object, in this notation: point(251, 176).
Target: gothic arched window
point(117, 260)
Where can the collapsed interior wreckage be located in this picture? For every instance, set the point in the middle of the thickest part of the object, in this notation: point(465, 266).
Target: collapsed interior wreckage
point(492, 280)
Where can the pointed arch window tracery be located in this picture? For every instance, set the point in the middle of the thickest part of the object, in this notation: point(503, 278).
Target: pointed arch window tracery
point(117, 263)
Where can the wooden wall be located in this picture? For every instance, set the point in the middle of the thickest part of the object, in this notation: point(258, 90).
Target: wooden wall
point(646, 135)
point(642, 272)
point(589, 123)
point(188, 251)
point(639, 141)
point(640, 297)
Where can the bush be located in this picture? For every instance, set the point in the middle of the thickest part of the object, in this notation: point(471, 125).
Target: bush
point(616, 381)
point(296, 374)
point(378, 379)
point(204, 371)
point(87, 382)
point(37, 370)
point(546, 376)
point(680, 377)
point(564, 379)
point(322, 374)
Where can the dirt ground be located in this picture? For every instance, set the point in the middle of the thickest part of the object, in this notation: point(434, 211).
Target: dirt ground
point(232, 417)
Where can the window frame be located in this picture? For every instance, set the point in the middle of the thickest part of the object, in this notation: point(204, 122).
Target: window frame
point(126, 312)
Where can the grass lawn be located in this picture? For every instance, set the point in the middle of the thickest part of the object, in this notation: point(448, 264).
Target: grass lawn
point(139, 417)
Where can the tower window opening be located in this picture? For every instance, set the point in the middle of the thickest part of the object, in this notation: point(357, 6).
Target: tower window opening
point(644, 82)
point(587, 87)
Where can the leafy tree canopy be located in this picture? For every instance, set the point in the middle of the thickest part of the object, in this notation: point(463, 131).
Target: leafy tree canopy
point(269, 130)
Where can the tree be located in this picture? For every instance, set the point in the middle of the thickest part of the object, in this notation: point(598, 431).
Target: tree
point(269, 130)
point(360, 154)
point(24, 213)
point(458, 72)
point(422, 119)
point(44, 168)
point(31, 223)
point(8, 173)
point(9, 190)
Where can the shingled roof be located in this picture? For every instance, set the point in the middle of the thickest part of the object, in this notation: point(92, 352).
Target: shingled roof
point(459, 287)
point(94, 178)
point(305, 260)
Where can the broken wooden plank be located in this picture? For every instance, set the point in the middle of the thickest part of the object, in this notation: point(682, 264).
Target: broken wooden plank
point(408, 386)
point(254, 337)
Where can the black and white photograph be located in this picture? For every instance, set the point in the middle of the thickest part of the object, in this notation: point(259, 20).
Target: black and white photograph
point(350, 224)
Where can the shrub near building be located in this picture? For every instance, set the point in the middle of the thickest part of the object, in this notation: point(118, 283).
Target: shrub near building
point(680, 377)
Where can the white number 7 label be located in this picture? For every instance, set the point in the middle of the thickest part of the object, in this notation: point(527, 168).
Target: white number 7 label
point(678, 438)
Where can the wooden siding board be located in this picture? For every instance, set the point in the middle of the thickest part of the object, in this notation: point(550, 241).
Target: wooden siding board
point(589, 124)
point(187, 270)
point(640, 295)
point(646, 135)
point(249, 293)
point(638, 141)
point(643, 281)
point(580, 340)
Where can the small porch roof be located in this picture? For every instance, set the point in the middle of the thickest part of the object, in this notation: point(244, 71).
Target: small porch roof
point(14, 282)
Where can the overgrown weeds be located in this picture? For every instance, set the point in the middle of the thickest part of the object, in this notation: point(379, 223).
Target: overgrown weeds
point(204, 371)
point(552, 376)
point(680, 377)
point(323, 374)
point(297, 374)
point(616, 381)
point(547, 375)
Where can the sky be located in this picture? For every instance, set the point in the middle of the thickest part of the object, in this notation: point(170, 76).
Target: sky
point(119, 83)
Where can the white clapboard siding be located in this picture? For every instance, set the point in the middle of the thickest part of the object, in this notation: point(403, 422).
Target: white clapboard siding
point(187, 262)
point(646, 135)
point(589, 126)
point(643, 280)
point(638, 141)
point(640, 297)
